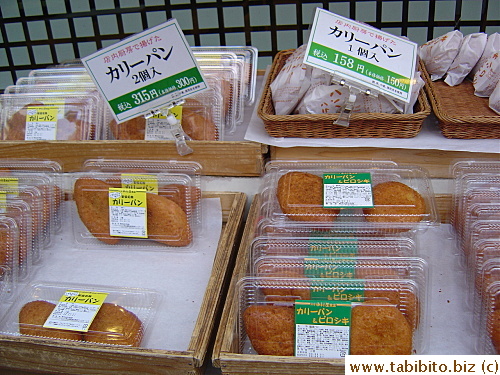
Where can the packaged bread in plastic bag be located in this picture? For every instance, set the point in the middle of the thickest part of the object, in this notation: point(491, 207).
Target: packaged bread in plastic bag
point(494, 101)
point(486, 78)
point(291, 83)
point(492, 46)
point(470, 52)
point(439, 53)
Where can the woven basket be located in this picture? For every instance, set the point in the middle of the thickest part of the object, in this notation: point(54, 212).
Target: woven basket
point(460, 113)
point(361, 125)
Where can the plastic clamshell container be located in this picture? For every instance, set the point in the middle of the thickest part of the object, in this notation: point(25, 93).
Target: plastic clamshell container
point(9, 254)
point(201, 117)
point(380, 247)
point(473, 213)
point(403, 199)
point(30, 165)
point(412, 268)
point(169, 216)
point(125, 318)
point(484, 251)
point(248, 55)
point(51, 116)
point(405, 297)
point(489, 329)
point(49, 186)
point(190, 170)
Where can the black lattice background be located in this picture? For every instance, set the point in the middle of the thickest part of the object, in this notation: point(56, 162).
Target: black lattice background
point(39, 33)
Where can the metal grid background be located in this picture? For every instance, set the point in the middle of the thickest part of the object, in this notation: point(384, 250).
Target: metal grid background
point(39, 33)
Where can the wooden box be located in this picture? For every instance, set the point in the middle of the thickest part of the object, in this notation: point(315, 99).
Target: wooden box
point(32, 355)
point(224, 158)
point(226, 354)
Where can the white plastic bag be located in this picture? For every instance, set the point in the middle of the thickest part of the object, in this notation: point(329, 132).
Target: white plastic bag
point(438, 53)
point(486, 78)
point(470, 52)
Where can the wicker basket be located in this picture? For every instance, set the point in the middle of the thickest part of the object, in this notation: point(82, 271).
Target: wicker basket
point(361, 125)
point(460, 113)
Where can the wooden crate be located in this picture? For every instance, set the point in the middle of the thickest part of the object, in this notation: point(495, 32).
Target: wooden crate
point(225, 353)
point(32, 355)
point(225, 158)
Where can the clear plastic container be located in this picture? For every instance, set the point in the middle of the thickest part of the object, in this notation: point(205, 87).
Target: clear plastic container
point(9, 255)
point(156, 211)
point(267, 325)
point(489, 328)
point(381, 247)
point(248, 55)
point(358, 198)
point(51, 116)
point(338, 268)
point(201, 118)
point(190, 170)
point(125, 318)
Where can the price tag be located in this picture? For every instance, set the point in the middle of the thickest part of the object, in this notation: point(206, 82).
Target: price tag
point(41, 123)
point(346, 190)
point(364, 54)
point(158, 128)
point(135, 181)
point(146, 71)
point(322, 329)
point(127, 213)
point(10, 184)
point(75, 310)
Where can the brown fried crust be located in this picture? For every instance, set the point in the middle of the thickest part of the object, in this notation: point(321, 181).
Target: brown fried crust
point(92, 203)
point(379, 329)
point(376, 328)
point(300, 196)
point(167, 222)
point(495, 330)
point(395, 202)
point(270, 329)
point(32, 317)
point(115, 325)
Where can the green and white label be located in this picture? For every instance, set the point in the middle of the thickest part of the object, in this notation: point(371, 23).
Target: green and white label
point(75, 310)
point(347, 190)
point(322, 329)
point(146, 71)
point(127, 213)
point(369, 56)
point(343, 248)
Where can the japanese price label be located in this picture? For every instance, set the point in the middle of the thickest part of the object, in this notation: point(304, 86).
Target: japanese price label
point(347, 248)
point(347, 190)
point(322, 329)
point(75, 310)
point(127, 213)
point(10, 184)
point(41, 123)
point(159, 129)
point(3, 201)
point(146, 71)
point(364, 54)
point(314, 267)
point(145, 182)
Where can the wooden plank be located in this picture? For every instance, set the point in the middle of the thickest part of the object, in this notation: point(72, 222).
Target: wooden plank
point(217, 158)
point(437, 162)
point(32, 355)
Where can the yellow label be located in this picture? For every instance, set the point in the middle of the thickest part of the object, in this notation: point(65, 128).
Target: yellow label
point(3, 201)
point(83, 297)
point(177, 112)
point(145, 182)
point(42, 114)
point(127, 197)
point(9, 184)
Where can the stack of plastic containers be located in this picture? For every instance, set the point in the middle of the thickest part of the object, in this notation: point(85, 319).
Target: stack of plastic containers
point(476, 221)
point(53, 104)
point(111, 205)
point(30, 215)
point(334, 266)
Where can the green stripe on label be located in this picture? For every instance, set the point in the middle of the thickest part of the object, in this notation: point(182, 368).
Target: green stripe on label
point(179, 82)
point(359, 66)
